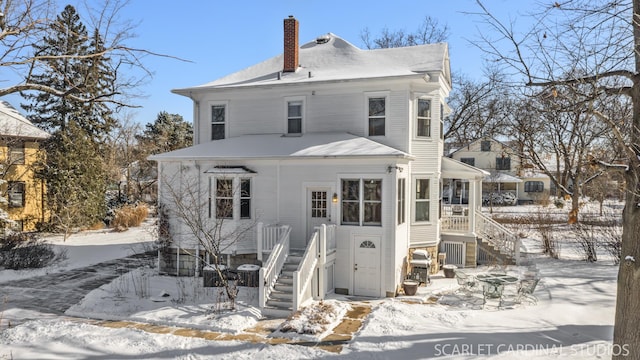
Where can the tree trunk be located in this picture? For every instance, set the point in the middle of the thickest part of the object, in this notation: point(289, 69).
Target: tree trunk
point(626, 333)
point(626, 336)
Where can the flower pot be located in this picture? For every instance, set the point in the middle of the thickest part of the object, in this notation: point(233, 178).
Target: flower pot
point(410, 287)
point(449, 271)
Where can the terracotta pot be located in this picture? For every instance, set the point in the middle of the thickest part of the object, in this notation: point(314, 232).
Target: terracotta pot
point(410, 287)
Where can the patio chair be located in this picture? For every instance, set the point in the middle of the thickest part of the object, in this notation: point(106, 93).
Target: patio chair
point(492, 291)
point(526, 287)
point(466, 282)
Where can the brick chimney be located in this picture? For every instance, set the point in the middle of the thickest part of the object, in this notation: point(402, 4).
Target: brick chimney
point(290, 44)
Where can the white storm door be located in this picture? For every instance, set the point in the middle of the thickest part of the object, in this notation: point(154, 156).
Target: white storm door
point(366, 265)
point(318, 209)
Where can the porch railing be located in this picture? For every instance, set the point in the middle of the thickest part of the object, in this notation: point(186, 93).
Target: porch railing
point(268, 236)
point(455, 218)
point(303, 276)
point(498, 236)
point(279, 250)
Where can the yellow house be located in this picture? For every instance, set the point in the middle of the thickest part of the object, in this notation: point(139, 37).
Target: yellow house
point(19, 150)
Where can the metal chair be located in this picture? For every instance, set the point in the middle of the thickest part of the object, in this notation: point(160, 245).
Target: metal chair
point(465, 281)
point(526, 287)
point(492, 291)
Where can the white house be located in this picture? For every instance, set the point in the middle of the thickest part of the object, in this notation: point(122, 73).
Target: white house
point(335, 152)
point(510, 181)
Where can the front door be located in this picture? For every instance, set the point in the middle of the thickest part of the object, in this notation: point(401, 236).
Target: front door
point(366, 265)
point(318, 209)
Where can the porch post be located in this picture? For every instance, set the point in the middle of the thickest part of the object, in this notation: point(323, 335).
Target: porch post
point(473, 188)
point(259, 236)
point(322, 259)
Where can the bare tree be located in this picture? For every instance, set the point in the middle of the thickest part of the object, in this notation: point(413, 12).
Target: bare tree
point(25, 22)
point(210, 215)
point(597, 44)
point(479, 109)
point(557, 134)
point(430, 32)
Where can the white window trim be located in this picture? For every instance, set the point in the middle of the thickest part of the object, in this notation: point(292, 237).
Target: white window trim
point(237, 196)
point(433, 196)
point(287, 100)
point(210, 104)
point(376, 94)
point(414, 118)
point(361, 178)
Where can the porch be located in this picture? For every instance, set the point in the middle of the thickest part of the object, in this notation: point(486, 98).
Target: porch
point(470, 238)
point(290, 278)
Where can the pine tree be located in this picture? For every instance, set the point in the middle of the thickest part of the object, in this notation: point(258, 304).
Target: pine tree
point(74, 64)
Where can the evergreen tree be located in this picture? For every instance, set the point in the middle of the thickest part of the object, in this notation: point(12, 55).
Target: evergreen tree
point(75, 65)
point(169, 132)
point(76, 179)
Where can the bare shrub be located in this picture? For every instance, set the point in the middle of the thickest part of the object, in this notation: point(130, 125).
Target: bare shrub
point(587, 239)
point(544, 225)
point(129, 216)
point(26, 251)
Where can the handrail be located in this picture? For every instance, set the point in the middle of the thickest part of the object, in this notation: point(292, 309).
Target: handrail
point(497, 235)
point(303, 275)
point(271, 269)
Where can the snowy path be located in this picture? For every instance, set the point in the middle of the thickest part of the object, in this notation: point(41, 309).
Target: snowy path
point(54, 293)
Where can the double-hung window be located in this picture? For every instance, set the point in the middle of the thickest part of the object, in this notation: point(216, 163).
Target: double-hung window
point(533, 186)
point(224, 198)
point(232, 197)
point(16, 153)
point(15, 193)
point(294, 117)
point(218, 121)
point(245, 198)
point(422, 200)
point(401, 200)
point(377, 115)
point(362, 202)
point(503, 163)
point(423, 119)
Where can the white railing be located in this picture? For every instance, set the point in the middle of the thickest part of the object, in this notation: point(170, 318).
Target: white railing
point(331, 238)
point(303, 276)
point(455, 218)
point(497, 235)
point(268, 236)
point(271, 268)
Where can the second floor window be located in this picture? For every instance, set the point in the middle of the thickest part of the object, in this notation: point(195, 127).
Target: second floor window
point(485, 145)
point(218, 122)
point(469, 161)
point(294, 117)
point(424, 118)
point(377, 116)
point(15, 193)
point(503, 163)
point(16, 153)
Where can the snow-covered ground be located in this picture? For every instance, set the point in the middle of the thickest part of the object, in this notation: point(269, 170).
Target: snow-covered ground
point(573, 318)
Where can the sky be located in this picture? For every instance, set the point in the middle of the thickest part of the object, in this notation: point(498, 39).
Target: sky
point(216, 38)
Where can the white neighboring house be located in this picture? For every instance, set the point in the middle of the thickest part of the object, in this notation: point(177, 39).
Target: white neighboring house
point(338, 151)
point(510, 181)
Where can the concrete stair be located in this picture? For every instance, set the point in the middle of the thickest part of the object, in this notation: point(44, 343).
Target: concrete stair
point(280, 301)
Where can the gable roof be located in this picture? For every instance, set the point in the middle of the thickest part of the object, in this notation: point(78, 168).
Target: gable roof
point(337, 60)
point(12, 123)
point(452, 168)
point(277, 146)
